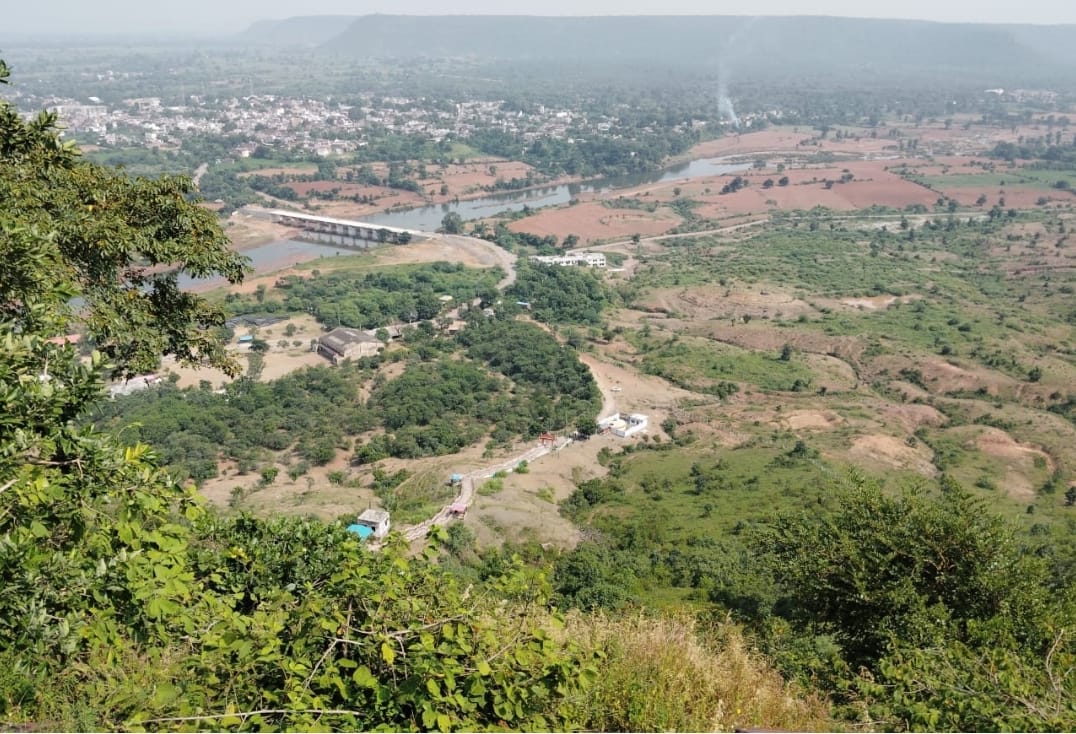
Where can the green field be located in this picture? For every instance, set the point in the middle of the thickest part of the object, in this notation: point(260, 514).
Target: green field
point(698, 364)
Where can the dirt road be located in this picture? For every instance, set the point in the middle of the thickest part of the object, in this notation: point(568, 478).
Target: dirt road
point(486, 252)
point(682, 235)
point(469, 486)
point(605, 385)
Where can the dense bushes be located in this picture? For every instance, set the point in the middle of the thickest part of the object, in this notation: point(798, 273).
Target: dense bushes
point(558, 294)
point(310, 410)
point(369, 300)
point(914, 610)
point(558, 389)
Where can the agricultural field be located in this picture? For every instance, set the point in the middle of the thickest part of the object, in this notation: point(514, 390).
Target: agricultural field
point(894, 167)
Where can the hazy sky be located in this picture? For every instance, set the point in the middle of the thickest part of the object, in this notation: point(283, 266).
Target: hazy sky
point(225, 16)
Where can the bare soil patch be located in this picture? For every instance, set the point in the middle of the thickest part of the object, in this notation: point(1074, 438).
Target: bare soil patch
point(396, 199)
point(943, 377)
point(303, 170)
point(1014, 197)
point(279, 361)
point(718, 302)
point(814, 420)
point(814, 186)
point(831, 373)
point(469, 179)
point(1018, 459)
point(768, 338)
point(591, 221)
point(246, 231)
point(912, 416)
point(875, 303)
point(886, 452)
point(637, 393)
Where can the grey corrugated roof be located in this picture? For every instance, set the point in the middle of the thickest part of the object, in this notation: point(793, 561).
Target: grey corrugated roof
point(341, 338)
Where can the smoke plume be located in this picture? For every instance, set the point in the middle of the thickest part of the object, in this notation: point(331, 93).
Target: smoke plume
point(725, 108)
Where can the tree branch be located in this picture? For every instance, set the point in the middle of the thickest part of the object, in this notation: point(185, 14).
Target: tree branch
point(247, 714)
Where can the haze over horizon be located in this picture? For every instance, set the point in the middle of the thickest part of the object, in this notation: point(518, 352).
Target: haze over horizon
point(209, 17)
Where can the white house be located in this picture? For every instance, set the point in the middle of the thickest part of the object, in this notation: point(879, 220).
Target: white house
point(625, 425)
point(376, 520)
point(577, 259)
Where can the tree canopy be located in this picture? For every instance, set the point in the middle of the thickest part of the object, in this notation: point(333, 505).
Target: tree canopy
point(949, 622)
point(85, 244)
point(559, 294)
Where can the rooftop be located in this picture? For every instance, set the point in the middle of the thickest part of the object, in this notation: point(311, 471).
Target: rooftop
point(342, 337)
point(374, 516)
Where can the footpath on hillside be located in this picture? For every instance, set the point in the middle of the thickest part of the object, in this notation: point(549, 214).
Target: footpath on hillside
point(469, 484)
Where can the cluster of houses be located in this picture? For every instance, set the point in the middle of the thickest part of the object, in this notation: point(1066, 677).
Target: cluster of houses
point(320, 126)
point(573, 259)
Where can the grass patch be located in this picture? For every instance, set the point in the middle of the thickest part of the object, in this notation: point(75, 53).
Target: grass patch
point(417, 497)
point(702, 365)
point(695, 680)
point(491, 486)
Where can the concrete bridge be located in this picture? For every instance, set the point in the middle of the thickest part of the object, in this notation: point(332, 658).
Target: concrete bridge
point(344, 232)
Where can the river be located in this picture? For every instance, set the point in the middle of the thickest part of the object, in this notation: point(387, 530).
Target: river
point(428, 218)
point(282, 253)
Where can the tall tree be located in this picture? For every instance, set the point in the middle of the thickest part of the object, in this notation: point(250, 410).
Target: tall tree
point(82, 243)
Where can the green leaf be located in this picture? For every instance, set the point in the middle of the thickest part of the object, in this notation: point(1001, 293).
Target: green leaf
point(387, 653)
point(429, 718)
point(364, 678)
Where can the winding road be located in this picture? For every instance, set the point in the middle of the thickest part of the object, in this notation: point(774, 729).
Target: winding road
point(469, 486)
point(487, 252)
point(491, 255)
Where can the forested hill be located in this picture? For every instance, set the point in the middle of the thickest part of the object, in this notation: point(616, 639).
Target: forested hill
point(751, 45)
point(306, 30)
